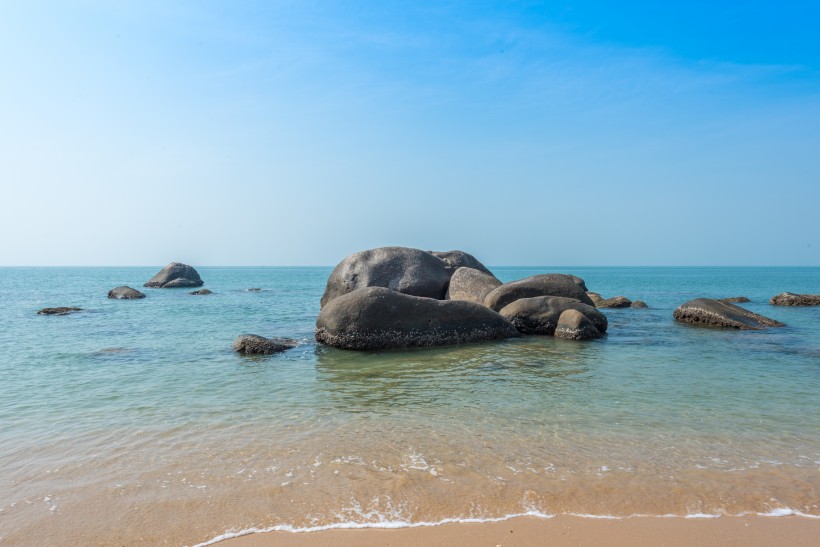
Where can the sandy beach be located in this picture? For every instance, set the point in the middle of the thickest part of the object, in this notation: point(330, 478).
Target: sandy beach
point(750, 531)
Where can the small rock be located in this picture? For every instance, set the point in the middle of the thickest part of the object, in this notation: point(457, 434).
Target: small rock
point(201, 292)
point(595, 297)
point(614, 302)
point(251, 344)
point(574, 325)
point(638, 304)
point(58, 311)
point(792, 299)
point(254, 289)
point(124, 293)
point(471, 285)
point(734, 299)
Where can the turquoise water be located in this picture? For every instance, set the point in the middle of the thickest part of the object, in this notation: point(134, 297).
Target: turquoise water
point(117, 420)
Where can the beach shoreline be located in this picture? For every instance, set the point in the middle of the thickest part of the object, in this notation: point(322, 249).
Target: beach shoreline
point(560, 531)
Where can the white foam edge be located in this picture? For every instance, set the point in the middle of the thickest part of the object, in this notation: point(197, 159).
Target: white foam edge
point(396, 524)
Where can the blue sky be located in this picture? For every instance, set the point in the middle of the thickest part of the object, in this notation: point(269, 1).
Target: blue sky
point(295, 133)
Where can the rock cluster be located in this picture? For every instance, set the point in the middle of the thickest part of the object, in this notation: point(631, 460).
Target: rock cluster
point(708, 312)
point(175, 275)
point(397, 297)
point(792, 299)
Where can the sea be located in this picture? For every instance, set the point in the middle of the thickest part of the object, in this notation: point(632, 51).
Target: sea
point(133, 422)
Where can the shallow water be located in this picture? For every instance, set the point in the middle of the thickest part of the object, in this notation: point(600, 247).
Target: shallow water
point(133, 422)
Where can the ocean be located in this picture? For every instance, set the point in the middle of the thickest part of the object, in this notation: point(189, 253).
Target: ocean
point(133, 422)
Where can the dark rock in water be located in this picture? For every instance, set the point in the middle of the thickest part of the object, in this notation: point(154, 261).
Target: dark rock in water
point(540, 314)
point(578, 281)
point(638, 304)
point(408, 271)
point(595, 297)
point(454, 260)
point(201, 292)
point(614, 302)
point(251, 344)
point(58, 311)
point(574, 325)
point(380, 318)
point(124, 293)
point(792, 299)
point(254, 289)
point(714, 313)
point(735, 299)
point(471, 285)
point(536, 285)
point(175, 275)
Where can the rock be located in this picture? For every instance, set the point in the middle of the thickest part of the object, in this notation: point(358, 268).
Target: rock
point(714, 313)
point(540, 314)
point(536, 285)
point(574, 325)
point(254, 289)
point(58, 311)
point(614, 302)
point(124, 293)
point(595, 297)
point(380, 318)
point(638, 304)
point(454, 260)
point(792, 299)
point(734, 299)
point(471, 285)
point(175, 275)
point(408, 271)
point(251, 344)
point(578, 281)
point(201, 292)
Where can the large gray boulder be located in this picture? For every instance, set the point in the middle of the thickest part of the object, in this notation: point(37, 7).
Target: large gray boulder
point(252, 344)
point(578, 281)
point(124, 293)
point(540, 314)
point(175, 275)
point(574, 325)
point(459, 259)
point(536, 285)
point(708, 312)
point(380, 318)
point(792, 299)
point(471, 285)
point(401, 269)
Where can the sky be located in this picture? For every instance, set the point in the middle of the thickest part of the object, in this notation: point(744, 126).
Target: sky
point(599, 133)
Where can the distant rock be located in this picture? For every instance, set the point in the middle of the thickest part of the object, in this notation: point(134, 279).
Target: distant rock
point(536, 285)
point(124, 293)
point(381, 318)
point(175, 275)
point(254, 289)
point(614, 302)
point(58, 311)
point(714, 313)
point(574, 325)
point(734, 299)
point(792, 299)
point(540, 314)
point(251, 344)
point(408, 271)
point(595, 297)
point(471, 285)
point(459, 259)
point(638, 304)
point(201, 292)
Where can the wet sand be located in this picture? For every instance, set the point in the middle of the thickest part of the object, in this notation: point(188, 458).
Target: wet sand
point(751, 531)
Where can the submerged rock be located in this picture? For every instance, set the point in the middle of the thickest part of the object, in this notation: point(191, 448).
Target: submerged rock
point(540, 314)
point(175, 275)
point(574, 325)
point(252, 344)
point(638, 304)
point(124, 293)
point(201, 292)
point(58, 311)
point(614, 302)
point(792, 299)
point(471, 285)
point(380, 318)
point(536, 285)
point(454, 260)
point(714, 313)
point(735, 299)
point(409, 271)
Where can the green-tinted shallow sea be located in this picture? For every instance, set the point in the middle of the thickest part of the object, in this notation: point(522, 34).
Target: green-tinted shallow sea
point(133, 422)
